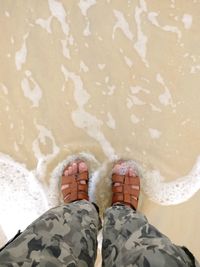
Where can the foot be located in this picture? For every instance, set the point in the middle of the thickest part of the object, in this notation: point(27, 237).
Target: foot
point(74, 184)
point(126, 186)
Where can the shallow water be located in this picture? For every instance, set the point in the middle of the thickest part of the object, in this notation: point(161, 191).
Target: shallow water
point(110, 79)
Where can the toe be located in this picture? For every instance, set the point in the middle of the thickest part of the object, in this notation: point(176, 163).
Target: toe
point(66, 173)
point(131, 172)
point(82, 167)
point(116, 169)
point(74, 168)
point(70, 170)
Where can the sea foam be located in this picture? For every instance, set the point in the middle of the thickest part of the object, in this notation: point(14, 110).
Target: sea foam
point(22, 197)
point(25, 198)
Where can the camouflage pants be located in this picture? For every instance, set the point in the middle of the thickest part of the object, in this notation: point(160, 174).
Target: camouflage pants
point(67, 236)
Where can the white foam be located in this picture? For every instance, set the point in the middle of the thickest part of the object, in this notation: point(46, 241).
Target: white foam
point(31, 89)
point(84, 5)
point(128, 61)
point(45, 23)
point(16, 147)
point(129, 103)
point(107, 78)
point(4, 88)
point(71, 40)
point(20, 55)
point(111, 89)
point(87, 31)
point(141, 43)
point(137, 101)
point(122, 24)
point(134, 119)
point(187, 21)
point(80, 94)
point(154, 108)
point(65, 49)
point(173, 29)
point(82, 118)
point(110, 121)
point(58, 11)
point(185, 122)
point(154, 133)
point(21, 196)
point(165, 98)
point(101, 66)
point(152, 16)
point(7, 14)
point(175, 192)
point(12, 40)
point(83, 67)
point(194, 69)
point(137, 89)
point(44, 134)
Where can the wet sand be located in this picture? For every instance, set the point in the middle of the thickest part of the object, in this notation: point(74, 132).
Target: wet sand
point(109, 78)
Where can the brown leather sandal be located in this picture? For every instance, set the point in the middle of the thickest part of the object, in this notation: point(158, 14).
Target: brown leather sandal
point(75, 186)
point(127, 189)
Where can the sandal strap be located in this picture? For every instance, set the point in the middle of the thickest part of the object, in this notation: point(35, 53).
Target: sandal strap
point(125, 192)
point(74, 178)
point(75, 189)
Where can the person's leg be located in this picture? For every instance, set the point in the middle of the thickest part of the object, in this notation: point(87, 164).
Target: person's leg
point(128, 238)
point(63, 236)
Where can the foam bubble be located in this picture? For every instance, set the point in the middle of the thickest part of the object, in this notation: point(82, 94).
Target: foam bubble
point(122, 24)
point(22, 197)
point(128, 61)
point(4, 88)
point(33, 93)
point(111, 89)
point(165, 98)
point(7, 14)
point(65, 49)
point(58, 11)
point(110, 121)
point(84, 5)
point(101, 66)
point(187, 21)
point(20, 55)
point(45, 23)
point(195, 69)
point(83, 67)
point(87, 31)
point(137, 89)
point(154, 133)
point(152, 16)
point(154, 108)
point(134, 119)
